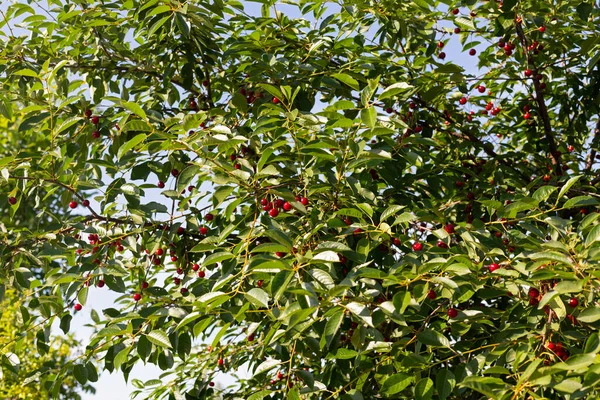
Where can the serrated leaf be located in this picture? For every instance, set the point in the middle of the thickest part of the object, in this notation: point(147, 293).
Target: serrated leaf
point(323, 278)
point(159, 338)
point(544, 192)
point(593, 236)
point(348, 80)
point(391, 210)
point(266, 366)
point(334, 321)
point(424, 389)
point(369, 116)
point(566, 187)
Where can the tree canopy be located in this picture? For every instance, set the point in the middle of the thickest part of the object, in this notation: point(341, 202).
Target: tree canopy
point(322, 193)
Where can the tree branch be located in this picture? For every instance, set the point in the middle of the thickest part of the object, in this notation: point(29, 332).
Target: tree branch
point(543, 110)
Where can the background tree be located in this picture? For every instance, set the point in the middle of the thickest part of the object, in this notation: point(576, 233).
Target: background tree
point(328, 200)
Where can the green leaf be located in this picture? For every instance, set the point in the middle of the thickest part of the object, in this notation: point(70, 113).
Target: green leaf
point(369, 116)
point(217, 257)
point(433, 338)
point(444, 383)
point(544, 192)
point(488, 386)
point(130, 144)
point(258, 297)
point(589, 315)
point(361, 311)
point(159, 338)
point(569, 287)
point(424, 389)
point(82, 295)
point(395, 89)
point(593, 236)
point(342, 354)
point(81, 374)
point(135, 108)
point(391, 210)
point(265, 366)
point(396, 383)
point(348, 80)
point(334, 321)
point(566, 187)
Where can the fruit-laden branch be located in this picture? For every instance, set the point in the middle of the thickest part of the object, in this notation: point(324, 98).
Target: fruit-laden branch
point(539, 97)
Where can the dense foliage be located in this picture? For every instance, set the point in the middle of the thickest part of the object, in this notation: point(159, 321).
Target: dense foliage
point(321, 193)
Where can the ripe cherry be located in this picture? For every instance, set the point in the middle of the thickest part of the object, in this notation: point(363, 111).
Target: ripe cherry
point(95, 120)
point(396, 242)
point(431, 295)
point(195, 267)
point(494, 267)
point(573, 302)
point(184, 291)
point(533, 293)
point(160, 184)
point(417, 246)
point(304, 201)
point(481, 89)
point(100, 283)
point(287, 206)
point(175, 172)
point(12, 200)
point(455, 11)
point(203, 230)
point(542, 29)
point(472, 52)
point(449, 228)
point(273, 212)
point(159, 252)
point(85, 203)
point(96, 134)
point(145, 285)
point(457, 30)
point(528, 72)
point(221, 362)
point(452, 312)
point(259, 283)
point(73, 204)
point(137, 297)
point(441, 244)
point(78, 307)
point(463, 100)
point(442, 55)
point(201, 274)
point(526, 115)
point(209, 217)
point(275, 100)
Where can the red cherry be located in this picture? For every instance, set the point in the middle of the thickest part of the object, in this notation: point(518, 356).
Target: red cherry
point(431, 295)
point(457, 30)
point(280, 254)
point(145, 285)
point(221, 362)
point(463, 100)
point(455, 11)
point(251, 337)
point(573, 302)
point(95, 120)
point(237, 166)
point(180, 230)
point(137, 297)
point(12, 200)
point(542, 29)
point(389, 110)
point(472, 52)
point(201, 274)
point(304, 201)
point(73, 204)
point(209, 217)
point(571, 148)
point(452, 312)
point(100, 283)
point(275, 100)
point(96, 134)
point(442, 55)
point(417, 246)
point(494, 267)
point(77, 307)
point(259, 283)
point(449, 228)
point(159, 252)
point(183, 291)
point(161, 184)
point(287, 206)
point(528, 72)
point(279, 375)
point(175, 172)
point(203, 230)
point(526, 115)
point(533, 293)
point(440, 45)
point(195, 267)
point(481, 89)
point(396, 242)
point(551, 346)
point(176, 281)
point(273, 212)
point(441, 244)
point(87, 113)
point(85, 203)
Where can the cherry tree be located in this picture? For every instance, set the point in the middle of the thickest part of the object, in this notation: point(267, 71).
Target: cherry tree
point(359, 199)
